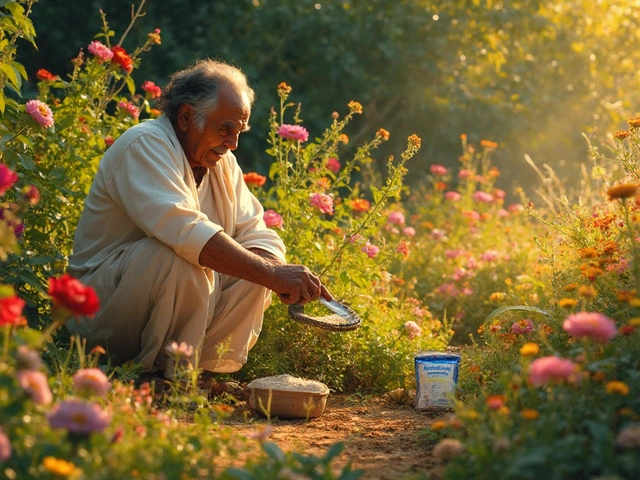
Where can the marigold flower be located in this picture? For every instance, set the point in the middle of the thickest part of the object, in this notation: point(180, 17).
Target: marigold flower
point(130, 108)
point(551, 369)
point(72, 295)
point(11, 310)
point(622, 190)
point(333, 164)
point(92, 380)
point(40, 112)
point(35, 385)
point(322, 202)
point(79, 417)
point(529, 414)
point(382, 133)
point(494, 172)
point(5, 446)
point(615, 387)
point(488, 144)
point(588, 291)
point(154, 37)
point(293, 132)
point(497, 296)
point(151, 88)
point(355, 107)
point(122, 58)
point(629, 437)
point(360, 205)
point(588, 252)
point(58, 467)
point(447, 449)
point(621, 134)
point(45, 75)
point(529, 349)
point(439, 425)
point(283, 88)
point(414, 141)
point(253, 178)
point(567, 303)
point(590, 324)
point(634, 122)
point(100, 51)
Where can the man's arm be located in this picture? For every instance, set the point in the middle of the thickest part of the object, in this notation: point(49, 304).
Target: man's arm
point(292, 283)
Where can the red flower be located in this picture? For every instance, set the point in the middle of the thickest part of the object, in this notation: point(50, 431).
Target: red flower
point(253, 178)
point(152, 89)
point(11, 310)
point(7, 178)
point(73, 295)
point(122, 58)
point(45, 75)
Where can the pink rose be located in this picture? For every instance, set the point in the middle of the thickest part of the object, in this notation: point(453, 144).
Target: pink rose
point(322, 202)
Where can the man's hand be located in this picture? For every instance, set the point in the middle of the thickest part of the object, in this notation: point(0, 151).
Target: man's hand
point(297, 284)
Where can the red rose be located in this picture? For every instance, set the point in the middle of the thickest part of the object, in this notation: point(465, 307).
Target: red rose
point(122, 58)
point(73, 295)
point(11, 310)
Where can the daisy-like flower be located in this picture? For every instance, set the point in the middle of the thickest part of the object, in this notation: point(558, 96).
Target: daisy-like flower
point(92, 380)
point(529, 414)
point(293, 132)
point(622, 190)
point(567, 303)
point(396, 218)
point(79, 417)
point(529, 349)
point(355, 107)
point(522, 327)
point(452, 196)
point(283, 88)
point(182, 349)
point(7, 178)
point(100, 51)
point(28, 359)
point(482, 197)
point(45, 75)
point(58, 467)
point(35, 385)
point(622, 134)
point(40, 112)
point(615, 387)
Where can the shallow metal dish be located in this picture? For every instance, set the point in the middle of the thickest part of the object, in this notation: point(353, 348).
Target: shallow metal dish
point(341, 319)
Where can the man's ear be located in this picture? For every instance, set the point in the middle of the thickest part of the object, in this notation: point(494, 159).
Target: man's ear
point(184, 116)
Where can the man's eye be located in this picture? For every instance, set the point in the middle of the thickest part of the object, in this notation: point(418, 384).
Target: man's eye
point(224, 132)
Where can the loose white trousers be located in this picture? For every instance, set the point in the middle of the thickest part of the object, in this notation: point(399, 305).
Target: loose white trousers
point(150, 297)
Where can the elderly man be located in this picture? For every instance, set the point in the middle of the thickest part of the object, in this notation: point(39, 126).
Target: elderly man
point(173, 241)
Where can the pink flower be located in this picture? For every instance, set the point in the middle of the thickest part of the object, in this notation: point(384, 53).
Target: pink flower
point(438, 169)
point(370, 250)
point(590, 324)
point(471, 215)
point(175, 349)
point(438, 234)
point(35, 385)
point(99, 50)
point(333, 165)
point(5, 446)
point(396, 218)
point(403, 248)
point(490, 256)
point(412, 329)
point(28, 359)
point(497, 193)
point(515, 208)
point(272, 219)
point(261, 435)
point(130, 108)
point(522, 327)
point(357, 238)
point(40, 112)
point(322, 202)
point(482, 197)
point(453, 253)
point(409, 231)
point(293, 132)
point(465, 173)
point(453, 196)
point(79, 417)
point(502, 213)
point(92, 380)
point(151, 88)
point(7, 178)
point(551, 369)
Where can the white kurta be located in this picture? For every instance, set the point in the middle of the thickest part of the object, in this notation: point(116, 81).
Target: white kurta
point(138, 241)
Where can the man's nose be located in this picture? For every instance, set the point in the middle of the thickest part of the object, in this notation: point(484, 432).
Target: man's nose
point(231, 142)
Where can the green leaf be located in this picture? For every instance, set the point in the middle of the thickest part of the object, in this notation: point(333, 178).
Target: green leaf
point(11, 74)
point(130, 85)
point(519, 308)
point(2, 103)
point(333, 451)
point(32, 280)
point(239, 473)
point(273, 451)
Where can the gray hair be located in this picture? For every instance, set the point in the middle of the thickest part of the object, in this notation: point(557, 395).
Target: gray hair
point(199, 86)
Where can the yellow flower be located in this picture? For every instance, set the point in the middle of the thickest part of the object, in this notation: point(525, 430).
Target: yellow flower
point(414, 141)
point(622, 190)
point(439, 425)
point(343, 138)
point(504, 411)
point(634, 302)
point(470, 414)
point(58, 466)
point(283, 88)
point(570, 287)
point(497, 296)
point(588, 291)
point(529, 349)
point(615, 387)
point(567, 302)
point(355, 107)
point(588, 252)
point(529, 414)
point(635, 322)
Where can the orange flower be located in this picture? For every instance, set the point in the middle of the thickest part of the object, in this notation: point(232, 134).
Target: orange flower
point(495, 402)
point(615, 387)
point(414, 141)
point(122, 58)
point(493, 172)
point(588, 291)
point(567, 302)
point(625, 296)
point(622, 134)
point(488, 144)
point(253, 178)
point(634, 122)
point(383, 134)
point(283, 88)
point(529, 349)
point(570, 287)
point(343, 138)
point(360, 205)
point(529, 414)
point(355, 107)
point(588, 252)
point(622, 190)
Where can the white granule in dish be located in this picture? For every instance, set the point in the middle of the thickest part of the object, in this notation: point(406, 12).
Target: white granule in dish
point(289, 383)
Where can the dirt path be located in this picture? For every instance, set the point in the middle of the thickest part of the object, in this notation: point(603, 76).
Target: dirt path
point(381, 437)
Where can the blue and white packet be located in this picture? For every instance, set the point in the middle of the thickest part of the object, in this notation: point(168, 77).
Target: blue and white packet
point(436, 379)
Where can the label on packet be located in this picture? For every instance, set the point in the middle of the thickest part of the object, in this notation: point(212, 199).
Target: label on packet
point(436, 379)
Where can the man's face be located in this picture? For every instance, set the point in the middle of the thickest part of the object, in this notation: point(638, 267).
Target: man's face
point(205, 147)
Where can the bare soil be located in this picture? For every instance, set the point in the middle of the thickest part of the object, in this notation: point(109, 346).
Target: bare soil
point(382, 437)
